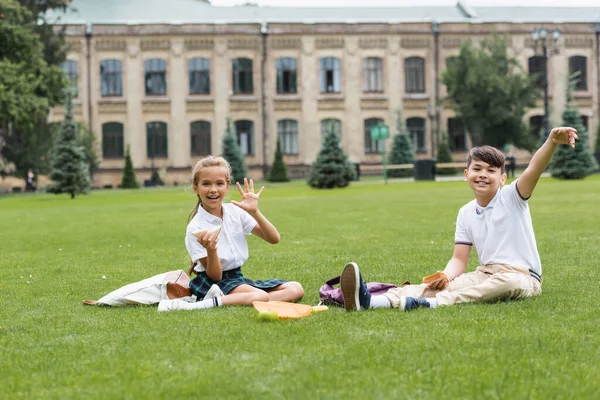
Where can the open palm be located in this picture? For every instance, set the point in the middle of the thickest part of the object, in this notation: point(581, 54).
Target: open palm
point(249, 201)
point(564, 135)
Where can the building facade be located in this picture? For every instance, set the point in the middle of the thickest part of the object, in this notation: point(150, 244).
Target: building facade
point(166, 82)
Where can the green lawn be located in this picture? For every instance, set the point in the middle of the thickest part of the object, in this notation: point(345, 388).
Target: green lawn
point(55, 252)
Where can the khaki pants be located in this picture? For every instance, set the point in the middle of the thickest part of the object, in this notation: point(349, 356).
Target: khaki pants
point(488, 283)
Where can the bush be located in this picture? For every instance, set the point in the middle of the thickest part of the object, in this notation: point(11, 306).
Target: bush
point(402, 150)
point(129, 181)
point(331, 169)
point(278, 171)
point(233, 154)
point(444, 155)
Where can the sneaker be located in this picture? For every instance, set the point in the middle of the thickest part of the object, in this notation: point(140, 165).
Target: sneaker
point(174, 305)
point(214, 291)
point(354, 289)
point(410, 303)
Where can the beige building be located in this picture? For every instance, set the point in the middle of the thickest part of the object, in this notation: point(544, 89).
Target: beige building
point(163, 76)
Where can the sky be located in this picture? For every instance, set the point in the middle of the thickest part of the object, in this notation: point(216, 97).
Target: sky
point(409, 3)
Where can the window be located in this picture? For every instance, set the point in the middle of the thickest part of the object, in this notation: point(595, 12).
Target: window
point(416, 127)
point(70, 68)
point(372, 75)
point(579, 63)
point(328, 125)
point(372, 146)
point(156, 139)
point(112, 140)
point(110, 76)
point(536, 126)
point(415, 74)
point(536, 70)
point(457, 134)
point(200, 138)
point(199, 75)
point(584, 122)
point(286, 75)
point(242, 76)
point(244, 131)
point(287, 130)
point(330, 75)
point(155, 77)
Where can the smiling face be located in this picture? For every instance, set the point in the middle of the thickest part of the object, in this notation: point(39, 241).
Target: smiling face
point(484, 179)
point(212, 187)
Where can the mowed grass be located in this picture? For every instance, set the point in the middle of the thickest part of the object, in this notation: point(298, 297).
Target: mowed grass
point(54, 253)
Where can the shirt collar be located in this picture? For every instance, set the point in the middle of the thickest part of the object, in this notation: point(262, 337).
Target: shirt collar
point(480, 210)
point(208, 216)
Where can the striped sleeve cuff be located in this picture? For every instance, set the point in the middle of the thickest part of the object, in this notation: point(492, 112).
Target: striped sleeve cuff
point(465, 243)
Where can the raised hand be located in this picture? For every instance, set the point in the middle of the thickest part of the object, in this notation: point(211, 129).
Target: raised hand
point(249, 201)
point(564, 135)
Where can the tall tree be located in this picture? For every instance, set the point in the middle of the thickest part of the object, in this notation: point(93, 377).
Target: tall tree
point(88, 141)
point(233, 154)
point(129, 181)
point(332, 168)
point(52, 37)
point(278, 171)
point(490, 91)
point(402, 151)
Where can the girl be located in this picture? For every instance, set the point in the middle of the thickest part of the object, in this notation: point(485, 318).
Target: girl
point(218, 254)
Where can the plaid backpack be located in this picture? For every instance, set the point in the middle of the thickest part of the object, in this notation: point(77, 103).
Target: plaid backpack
point(331, 295)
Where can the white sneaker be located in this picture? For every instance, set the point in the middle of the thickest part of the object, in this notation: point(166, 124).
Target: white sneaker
point(214, 291)
point(174, 305)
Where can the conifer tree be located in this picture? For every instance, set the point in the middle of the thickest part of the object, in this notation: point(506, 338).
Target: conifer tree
point(444, 155)
point(402, 149)
point(129, 180)
point(331, 168)
point(233, 154)
point(70, 172)
point(278, 171)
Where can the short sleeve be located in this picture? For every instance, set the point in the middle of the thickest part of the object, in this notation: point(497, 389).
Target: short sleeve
point(195, 249)
point(248, 223)
point(510, 195)
point(461, 236)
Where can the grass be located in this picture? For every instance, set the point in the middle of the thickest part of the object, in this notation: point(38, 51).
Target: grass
point(55, 252)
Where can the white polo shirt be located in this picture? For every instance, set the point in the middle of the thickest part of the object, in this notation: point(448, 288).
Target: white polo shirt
point(232, 247)
point(501, 232)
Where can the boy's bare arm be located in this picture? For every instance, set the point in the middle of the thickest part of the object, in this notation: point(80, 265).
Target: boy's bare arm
point(455, 267)
point(542, 158)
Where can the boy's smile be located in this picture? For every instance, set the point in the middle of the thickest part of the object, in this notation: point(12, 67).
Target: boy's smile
point(484, 179)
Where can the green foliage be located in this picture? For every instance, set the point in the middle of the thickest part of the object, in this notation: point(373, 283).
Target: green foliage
point(597, 145)
point(444, 155)
point(278, 171)
point(88, 141)
point(491, 93)
point(402, 151)
point(233, 154)
point(129, 180)
point(331, 168)
point(70, 172)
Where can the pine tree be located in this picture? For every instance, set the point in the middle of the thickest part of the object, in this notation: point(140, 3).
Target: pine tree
point(278, 171)
point(597, 146)
point(331, 168)
point(69, 172)
point(444, 155)
point(402, 150)
point(129, 180)
point(579, 162)
point(233, 154)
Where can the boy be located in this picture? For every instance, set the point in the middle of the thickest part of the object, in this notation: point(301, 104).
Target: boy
point(497, 223)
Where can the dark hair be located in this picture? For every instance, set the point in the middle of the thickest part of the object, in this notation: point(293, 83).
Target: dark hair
point(488, 154)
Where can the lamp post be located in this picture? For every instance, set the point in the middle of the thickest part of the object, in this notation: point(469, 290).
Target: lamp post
point(540, 47)
point(434, 117)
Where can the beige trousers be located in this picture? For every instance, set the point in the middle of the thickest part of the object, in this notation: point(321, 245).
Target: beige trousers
point(488, 283)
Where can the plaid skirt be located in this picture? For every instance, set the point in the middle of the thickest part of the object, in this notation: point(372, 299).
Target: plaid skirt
point(230, 280)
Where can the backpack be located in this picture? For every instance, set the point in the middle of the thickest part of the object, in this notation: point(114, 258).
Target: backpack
point(331, 295)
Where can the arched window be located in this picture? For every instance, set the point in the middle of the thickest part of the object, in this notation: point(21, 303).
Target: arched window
point(414, 68)
point(244, 131)
point(71, 71)
point(536, 126)
point(372, 75)
point(287, 131)
point(579, 64)
point(242, 76)
point(416, 127)
point(155, 71)
point(286, 75)
point(457, 134)
point(200, 138)
point(110, 76)
point(112, 140)
point(156, 139)
point(536, 69)
point(199, 75)
point(330, 76)
point(372, 146)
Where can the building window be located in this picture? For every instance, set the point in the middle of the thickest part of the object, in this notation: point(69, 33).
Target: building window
point(331, 125)
point(244, 131)
point(415, 74)
point(330, 75)
point(372, 75)
point(536, 126)
point(199, 75)
point(286, 75)
point(579, 63)
point(372, 146)
point(457, 134)
point(536, 70)
point(110, 76)
point(287, 130)
point(200, 138)
point(584, 122)
point(112, 140)
point(155, 77)
point(70, 68)
point(242, 76)
point(156, 139)
point(416, 127)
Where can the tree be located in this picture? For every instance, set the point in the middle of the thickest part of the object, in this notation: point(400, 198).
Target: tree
point(402, 149)
point(490, 92)
point(579, 162)
point(444, 155)
point(331, 168)
point(129, 180)
point(70, 172)
point(233, 154)
point(42, 15)
point(278, 171)
point(87, 140)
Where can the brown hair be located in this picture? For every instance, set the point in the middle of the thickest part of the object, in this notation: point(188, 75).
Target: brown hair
point(208, 161)
point(487, 154)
